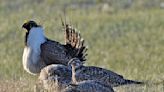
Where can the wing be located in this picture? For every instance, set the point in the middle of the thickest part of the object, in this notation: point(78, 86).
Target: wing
point(74, 43)
point(54, 53)
point(104, 76)
point(100, 74)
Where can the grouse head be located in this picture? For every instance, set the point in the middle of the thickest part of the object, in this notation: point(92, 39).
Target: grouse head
point(75, 62)
point(30, 24)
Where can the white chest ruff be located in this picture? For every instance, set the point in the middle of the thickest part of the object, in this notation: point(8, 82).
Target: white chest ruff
point(31, 55)
point(29, 59)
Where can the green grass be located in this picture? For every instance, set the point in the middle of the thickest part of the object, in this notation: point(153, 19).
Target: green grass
point(129, 42)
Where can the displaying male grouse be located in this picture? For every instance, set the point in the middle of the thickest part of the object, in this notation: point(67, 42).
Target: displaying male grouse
point(39, 51)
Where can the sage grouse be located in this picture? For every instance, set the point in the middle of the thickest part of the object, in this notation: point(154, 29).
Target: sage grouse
point(84, 73)
point(56, 78)
point(100, 74)
point(39, 51)
point(86, 85)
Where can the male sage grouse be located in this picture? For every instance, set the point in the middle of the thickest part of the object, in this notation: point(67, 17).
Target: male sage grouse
point(39, 51)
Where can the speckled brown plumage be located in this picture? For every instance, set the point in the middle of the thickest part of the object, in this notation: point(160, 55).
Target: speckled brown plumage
point(103, 75)
point(84, 73)
point(57, 78)
point(86, 85)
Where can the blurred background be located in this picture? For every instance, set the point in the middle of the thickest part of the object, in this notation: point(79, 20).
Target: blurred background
point(125, 36)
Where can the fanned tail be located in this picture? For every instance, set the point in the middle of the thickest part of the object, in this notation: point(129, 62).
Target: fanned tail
point(75, 43)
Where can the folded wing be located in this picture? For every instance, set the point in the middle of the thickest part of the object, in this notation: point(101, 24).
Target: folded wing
point(53, 52)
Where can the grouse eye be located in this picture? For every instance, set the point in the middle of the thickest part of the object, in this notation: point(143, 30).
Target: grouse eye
point(30, 26)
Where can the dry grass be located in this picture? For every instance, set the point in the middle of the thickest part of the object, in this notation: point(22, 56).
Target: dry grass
point(129, 41)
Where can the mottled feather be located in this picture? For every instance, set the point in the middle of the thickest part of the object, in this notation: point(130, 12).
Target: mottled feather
point(86, 85)
point(103, 75)
point(57, 78)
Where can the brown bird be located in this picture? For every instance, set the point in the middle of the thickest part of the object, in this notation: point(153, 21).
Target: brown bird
point(56, 78)
point(86, 85)
point(100, 74)
point(39, 51)
point(79, 74)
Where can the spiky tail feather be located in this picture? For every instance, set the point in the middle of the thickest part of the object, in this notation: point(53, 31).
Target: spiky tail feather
point(75, 43)
point(128, 82)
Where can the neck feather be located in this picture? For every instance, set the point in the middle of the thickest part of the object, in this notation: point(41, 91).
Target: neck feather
point(31, 55)
point(74, 81)
point(35, 37)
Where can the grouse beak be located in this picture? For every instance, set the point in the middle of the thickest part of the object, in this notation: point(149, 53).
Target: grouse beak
point(24, 25)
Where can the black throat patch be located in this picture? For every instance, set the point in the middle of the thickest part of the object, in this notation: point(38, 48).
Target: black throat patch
point(26, 37)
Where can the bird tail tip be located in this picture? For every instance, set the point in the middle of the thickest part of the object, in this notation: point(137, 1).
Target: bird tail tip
point(133, 82)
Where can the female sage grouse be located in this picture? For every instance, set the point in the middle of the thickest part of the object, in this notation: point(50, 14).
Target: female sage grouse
point(84, 73)
point(86, 85)
point(100, 74)
point(56, 78)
